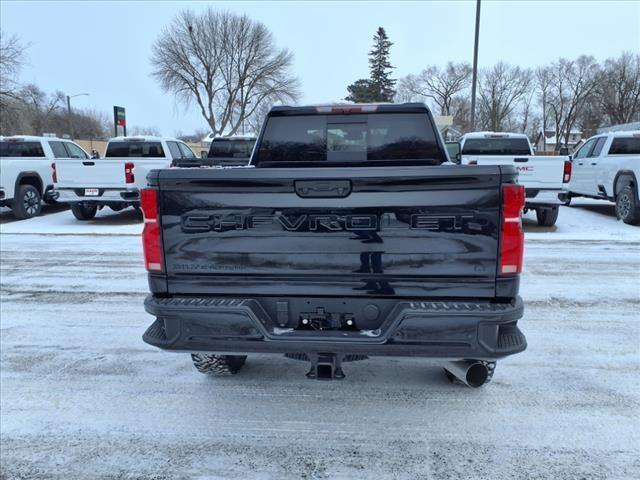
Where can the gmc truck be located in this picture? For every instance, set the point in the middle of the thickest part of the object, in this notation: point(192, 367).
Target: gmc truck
point(544, 177)
point(350, 235)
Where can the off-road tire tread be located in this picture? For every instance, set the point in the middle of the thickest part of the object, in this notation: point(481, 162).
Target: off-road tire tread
point(83, 213)
point(547, 217)
point(219, 365)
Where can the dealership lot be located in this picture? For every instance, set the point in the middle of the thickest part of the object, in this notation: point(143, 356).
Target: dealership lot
point(79, 387)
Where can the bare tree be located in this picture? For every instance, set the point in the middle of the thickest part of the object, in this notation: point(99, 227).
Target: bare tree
point(145, 131)
point(406, 90)
point(227, 63)
point(572, 83)
point(461, 111)
point(501, 90)
point(40, 106)
point(255, 121)
point(620, 88)
point(439, 84)
point(195, 137)
point(543, 77)
point(12, 52)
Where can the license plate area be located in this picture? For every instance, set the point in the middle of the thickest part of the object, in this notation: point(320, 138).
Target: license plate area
point(91, 192)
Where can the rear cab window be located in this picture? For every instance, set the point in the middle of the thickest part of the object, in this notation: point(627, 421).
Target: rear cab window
point(135, 149)
point(496, 146)
point(75, 151)
point(625, 146)
point(597, 148)
point(186, 151)
point(221, 148)
point(58, 150)
point(366, 139)
point(17, 149)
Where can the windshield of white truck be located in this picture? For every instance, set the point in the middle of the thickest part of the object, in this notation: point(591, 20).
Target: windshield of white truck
point(21, 149)
point(496, 146)
point(135, 149)
point(625, 146)
point(369, 139)
point(231, 148)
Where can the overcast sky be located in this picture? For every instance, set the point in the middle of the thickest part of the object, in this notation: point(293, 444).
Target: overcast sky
point(103, 47)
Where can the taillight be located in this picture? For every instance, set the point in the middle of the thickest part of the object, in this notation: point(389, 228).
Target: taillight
point(151, 242)
point(128, 173)
point(512, 236)
point(54, 175)
point(567, 172)
point(346, 109)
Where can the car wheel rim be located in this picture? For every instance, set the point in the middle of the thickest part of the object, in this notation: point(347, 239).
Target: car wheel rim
point(624, 206)
point(30, 202)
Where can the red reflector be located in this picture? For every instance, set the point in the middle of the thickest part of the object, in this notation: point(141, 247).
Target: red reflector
point(512, 236)
point(54, 175)
point(151, 242)
point(128, 172)
point(567, 172)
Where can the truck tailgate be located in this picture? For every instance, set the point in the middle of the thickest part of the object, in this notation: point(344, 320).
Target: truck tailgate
point(104, 172)
point(402, 231)
point(533, 171)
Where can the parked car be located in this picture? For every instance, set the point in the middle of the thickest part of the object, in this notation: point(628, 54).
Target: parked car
point(115, 180)
point(26, 173)
point(544, 177)
point(607, 167)
point(353, 236)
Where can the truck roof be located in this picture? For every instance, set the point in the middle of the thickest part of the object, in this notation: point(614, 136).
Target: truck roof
point(494, 135)
point(143, 138)
point(32, 138)
point(620, 134)
point(347, 108)
point(234, 139)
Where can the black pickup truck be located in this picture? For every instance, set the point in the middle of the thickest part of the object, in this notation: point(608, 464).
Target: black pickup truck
point(350, 235)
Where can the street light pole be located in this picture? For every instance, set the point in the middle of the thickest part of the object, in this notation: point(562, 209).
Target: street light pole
point(69, 119)
point(475, 68)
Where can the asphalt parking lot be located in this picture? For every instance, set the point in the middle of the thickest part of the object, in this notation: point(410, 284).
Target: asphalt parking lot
point(82, 394)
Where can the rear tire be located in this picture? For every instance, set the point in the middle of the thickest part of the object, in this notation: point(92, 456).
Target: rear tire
point(27, 202)
point(547, 216)
point(627, 208)
point(83, 212)
point(219, 365)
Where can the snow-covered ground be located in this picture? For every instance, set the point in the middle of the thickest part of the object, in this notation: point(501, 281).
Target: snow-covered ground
point(83, 397)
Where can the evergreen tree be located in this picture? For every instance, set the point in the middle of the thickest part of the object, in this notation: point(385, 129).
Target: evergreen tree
point(379, 87)
point(362, 91)
point(381, 67)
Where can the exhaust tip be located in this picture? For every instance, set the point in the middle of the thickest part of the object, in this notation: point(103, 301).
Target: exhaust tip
point(477, 375)
point(472, 373)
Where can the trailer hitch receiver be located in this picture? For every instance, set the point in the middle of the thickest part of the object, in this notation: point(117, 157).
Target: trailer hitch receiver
point(325, 366)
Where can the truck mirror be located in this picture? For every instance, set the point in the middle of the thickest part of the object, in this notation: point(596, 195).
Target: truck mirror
point(564, 151)
point(95, 155)
point(453, 150)
point(203, 154)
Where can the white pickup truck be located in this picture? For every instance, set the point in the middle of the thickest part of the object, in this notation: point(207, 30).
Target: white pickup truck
point(115, 180)
point(607, 166)
point(544, 177)
point(25, 171)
